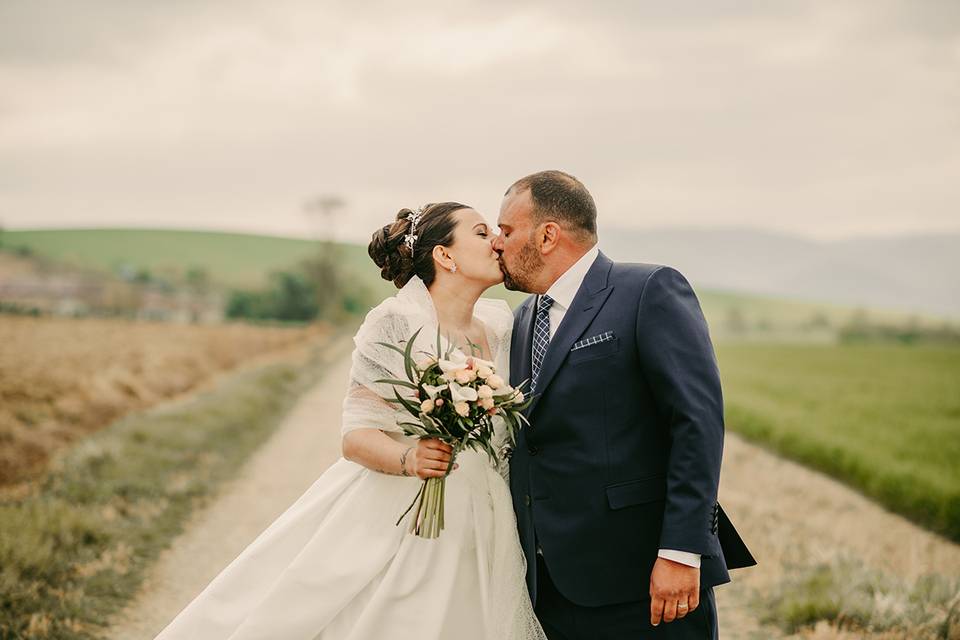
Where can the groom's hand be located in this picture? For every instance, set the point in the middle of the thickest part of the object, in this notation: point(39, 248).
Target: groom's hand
point(674, 590)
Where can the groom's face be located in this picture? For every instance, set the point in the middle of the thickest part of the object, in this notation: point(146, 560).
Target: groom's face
point(520, 258)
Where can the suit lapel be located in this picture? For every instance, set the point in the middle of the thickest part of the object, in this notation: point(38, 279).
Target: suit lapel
point(586, 304)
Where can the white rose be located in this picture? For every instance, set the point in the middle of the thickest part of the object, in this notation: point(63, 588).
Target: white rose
point(495, 381)
point(519, 397)
point(465, 376)
point(484, 391)
point(462, 408)
point(505, 390)
point(426, 406)
point(484, 372)
point(487, 403)
point(480, 363)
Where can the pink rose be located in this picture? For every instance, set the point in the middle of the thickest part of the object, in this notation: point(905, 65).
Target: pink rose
point(495, 382)
point(426, 406)
point(462, 409)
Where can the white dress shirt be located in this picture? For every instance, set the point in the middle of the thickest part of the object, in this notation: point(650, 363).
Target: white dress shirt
point(563, 291)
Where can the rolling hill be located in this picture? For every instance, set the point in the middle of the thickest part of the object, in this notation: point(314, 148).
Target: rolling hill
point(748, 279)
point(919, 274)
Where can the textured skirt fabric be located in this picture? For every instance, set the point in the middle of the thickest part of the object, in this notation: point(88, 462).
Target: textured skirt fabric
point(335, 567)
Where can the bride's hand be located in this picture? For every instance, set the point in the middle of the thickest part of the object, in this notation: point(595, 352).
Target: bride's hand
point(430, 459)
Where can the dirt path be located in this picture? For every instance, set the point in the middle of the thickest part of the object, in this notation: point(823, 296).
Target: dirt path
point(305, 444)
point(785, 512)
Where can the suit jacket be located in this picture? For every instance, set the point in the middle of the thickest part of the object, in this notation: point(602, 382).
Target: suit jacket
point(622, 456)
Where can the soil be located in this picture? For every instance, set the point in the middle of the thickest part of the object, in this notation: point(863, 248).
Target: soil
point(787, 514)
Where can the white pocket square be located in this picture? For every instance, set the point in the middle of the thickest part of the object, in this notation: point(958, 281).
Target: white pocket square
point(606, 336)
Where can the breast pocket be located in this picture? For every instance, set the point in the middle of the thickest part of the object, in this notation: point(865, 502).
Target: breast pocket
point(594, 351)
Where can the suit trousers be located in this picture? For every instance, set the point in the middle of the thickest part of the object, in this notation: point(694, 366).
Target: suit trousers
point(564, 620)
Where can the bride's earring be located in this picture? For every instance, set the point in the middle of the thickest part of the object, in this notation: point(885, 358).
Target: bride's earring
point(453, 269)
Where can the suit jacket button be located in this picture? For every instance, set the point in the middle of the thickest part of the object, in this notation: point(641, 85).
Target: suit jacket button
point(526, 499)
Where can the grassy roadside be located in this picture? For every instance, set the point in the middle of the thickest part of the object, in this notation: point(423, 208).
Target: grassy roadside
point(854, 598)
point(73, 553)
point(884, 419)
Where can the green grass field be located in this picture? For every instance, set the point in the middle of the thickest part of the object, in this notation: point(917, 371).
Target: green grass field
point(245, 260)
point(234, 259)
point(884, 419)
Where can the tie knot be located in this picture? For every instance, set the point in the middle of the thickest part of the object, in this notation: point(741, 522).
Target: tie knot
point(545, 303)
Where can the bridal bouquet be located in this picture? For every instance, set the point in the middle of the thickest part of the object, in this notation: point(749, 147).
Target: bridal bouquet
point(454, 399)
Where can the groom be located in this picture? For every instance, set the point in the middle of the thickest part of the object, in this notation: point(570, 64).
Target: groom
point(615, 480)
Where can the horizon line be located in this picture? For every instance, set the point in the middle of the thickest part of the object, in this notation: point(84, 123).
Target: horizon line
point(652, 229)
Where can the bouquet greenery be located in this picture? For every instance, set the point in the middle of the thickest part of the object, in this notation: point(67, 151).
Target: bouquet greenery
point(455, 398)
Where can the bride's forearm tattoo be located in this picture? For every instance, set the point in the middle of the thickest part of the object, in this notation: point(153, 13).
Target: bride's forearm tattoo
point(386, 471)
point(403, 465)
point(403, 461)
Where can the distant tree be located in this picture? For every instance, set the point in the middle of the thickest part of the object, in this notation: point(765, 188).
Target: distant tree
point(860, 318)
point(735, 322)
point(143, 276)
point(317, 287)
point(291, 297)
point(198, 280)
point(245, 304)
point(322, 210)
point(819, 320)
point(295, 297)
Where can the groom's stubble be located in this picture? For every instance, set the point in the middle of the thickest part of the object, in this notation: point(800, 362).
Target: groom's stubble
point(521, 275)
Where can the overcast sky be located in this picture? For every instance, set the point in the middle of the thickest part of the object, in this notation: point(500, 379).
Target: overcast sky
point(828, 119)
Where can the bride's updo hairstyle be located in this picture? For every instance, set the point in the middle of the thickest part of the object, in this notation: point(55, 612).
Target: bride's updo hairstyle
point(397, 262)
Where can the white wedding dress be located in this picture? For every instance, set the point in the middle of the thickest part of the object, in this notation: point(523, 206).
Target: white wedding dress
point(335, 567)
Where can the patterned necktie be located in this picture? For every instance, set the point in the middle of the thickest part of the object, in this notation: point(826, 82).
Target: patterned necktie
point(541, 337)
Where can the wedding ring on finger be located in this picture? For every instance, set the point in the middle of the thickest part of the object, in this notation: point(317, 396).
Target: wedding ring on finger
point(682, 609)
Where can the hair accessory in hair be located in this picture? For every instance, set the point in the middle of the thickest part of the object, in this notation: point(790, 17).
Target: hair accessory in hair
point(414, 217)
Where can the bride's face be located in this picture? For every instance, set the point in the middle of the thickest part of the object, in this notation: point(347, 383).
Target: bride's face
point(472, 250)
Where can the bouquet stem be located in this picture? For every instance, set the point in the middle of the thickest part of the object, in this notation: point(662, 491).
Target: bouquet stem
point(428, 520)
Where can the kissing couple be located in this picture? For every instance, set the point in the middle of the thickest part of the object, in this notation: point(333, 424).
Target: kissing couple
point(598, 520)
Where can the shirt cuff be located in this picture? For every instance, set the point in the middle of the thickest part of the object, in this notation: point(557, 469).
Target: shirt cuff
point(683, 557)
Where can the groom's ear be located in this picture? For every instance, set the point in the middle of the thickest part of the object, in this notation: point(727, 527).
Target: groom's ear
point(549, 236)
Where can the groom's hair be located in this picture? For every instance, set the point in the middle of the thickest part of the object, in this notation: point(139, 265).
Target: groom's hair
point(560, 196)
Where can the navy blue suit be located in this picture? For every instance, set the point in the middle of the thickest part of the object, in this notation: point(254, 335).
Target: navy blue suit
point(622, 456)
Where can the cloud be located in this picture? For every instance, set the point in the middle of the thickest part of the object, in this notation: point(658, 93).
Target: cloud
point(821, 118)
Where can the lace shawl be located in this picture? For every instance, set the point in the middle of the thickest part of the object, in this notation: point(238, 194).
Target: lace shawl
point(394, 321)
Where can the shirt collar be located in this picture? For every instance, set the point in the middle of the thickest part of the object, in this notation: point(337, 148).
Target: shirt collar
point(565, 288)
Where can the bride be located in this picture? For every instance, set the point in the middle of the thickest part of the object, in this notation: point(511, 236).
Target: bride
point(335, 565)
